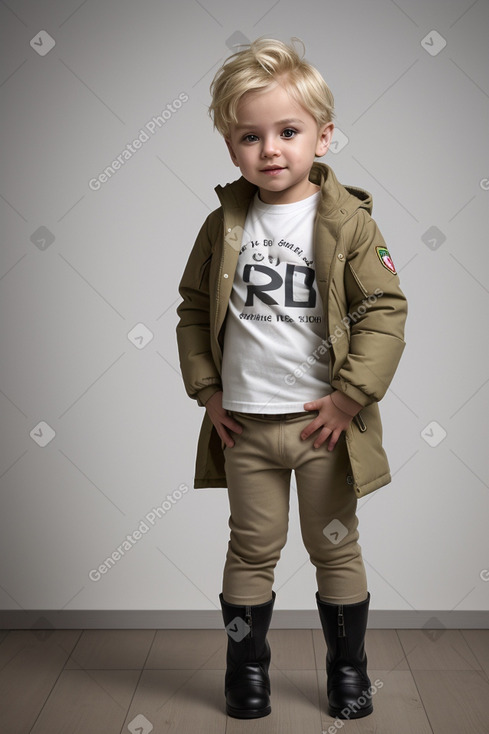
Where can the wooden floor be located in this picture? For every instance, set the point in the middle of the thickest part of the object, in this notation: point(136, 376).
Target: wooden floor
point(114, 681)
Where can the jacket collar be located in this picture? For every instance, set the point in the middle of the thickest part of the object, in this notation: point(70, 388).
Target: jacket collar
point(337, 201)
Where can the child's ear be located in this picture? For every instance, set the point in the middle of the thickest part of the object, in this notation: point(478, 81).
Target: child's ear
point(231, 152)
point(325, 136)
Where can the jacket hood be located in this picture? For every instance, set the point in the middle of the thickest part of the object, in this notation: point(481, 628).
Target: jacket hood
point(335, 195)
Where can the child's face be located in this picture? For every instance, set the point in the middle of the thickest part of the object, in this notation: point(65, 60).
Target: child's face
point(274, 144)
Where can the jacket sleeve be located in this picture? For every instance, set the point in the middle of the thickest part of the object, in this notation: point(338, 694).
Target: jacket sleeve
point(200, 375)
point(377, 310)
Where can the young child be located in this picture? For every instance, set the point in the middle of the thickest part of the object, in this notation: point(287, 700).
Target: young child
point(291, 329)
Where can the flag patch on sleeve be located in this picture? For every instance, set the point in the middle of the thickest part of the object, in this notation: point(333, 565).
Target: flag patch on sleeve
point(385, 259)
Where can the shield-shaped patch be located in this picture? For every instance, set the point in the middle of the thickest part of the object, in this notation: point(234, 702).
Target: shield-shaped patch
point(385, 259)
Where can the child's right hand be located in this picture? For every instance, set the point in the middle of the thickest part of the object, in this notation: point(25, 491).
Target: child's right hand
point(221, 419)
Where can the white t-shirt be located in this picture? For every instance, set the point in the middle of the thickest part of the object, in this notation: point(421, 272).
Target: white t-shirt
point(274, 360)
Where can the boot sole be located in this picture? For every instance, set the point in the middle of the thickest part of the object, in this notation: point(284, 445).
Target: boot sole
point(247, 713)
point(336, 713)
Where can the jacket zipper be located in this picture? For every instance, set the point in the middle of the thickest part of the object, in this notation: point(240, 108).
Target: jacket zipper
point(341, 622)
point(360, 423)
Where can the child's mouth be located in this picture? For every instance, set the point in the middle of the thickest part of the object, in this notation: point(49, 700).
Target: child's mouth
point(272, 171)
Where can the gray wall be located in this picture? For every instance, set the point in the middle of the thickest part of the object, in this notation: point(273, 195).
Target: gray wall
point(96, 429)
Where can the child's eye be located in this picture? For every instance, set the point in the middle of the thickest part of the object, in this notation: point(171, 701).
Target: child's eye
point(250, 138)
point(289, 132)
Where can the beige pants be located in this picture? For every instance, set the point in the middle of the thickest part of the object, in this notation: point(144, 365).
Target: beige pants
point(258, 471)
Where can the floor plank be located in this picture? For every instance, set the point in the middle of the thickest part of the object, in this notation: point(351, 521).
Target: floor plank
point(111, 649)
point(29, 667)
point(83, 701)
point(183, 701)
point(437, 650)
point(188, 649)
point(455, 700)
point(478, 641)
point(292, 649)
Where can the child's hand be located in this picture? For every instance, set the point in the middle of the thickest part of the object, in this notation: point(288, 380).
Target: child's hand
point(221, 419)
point(331, 420)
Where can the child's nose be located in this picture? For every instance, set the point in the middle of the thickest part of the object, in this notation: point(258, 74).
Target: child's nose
point(270, 147)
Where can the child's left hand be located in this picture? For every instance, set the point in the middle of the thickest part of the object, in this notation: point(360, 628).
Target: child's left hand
point(331, 420)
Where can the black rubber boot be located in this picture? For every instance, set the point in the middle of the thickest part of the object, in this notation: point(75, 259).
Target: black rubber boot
point(344, 627)
point(247, 683)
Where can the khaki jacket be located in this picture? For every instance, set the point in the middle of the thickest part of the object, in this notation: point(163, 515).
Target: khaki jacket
point(365, 312)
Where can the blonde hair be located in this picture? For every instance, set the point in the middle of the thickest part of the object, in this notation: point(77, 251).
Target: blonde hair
point(261, 64)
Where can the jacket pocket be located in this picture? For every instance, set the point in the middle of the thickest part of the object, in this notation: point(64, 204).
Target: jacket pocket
point(358, 281)
point(203, 268)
